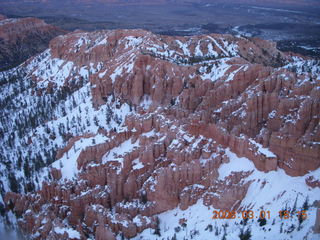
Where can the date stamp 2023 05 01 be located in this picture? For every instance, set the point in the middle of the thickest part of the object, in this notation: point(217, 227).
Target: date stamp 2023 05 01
point(225, 214)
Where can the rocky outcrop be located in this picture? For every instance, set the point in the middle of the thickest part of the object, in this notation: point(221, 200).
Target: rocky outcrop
point(103, 233)
point(312, 182)
point(180, 105)
point(22, 38)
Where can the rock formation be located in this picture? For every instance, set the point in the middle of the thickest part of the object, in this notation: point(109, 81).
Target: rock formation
point(157, 117)
point(22, 38)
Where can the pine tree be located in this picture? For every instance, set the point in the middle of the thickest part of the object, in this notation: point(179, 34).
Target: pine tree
point(26, 168)
point(300, 219)
point(2, 210)
point(262, 221)
point(109, 114)
point(245, 235)
point(294, 208)
point(19, 162)
point(157, 229)
point(224, 237)
point(13, 183)
point(38, 163)
point(96, 121)
point(209, 227)
point(305, 205)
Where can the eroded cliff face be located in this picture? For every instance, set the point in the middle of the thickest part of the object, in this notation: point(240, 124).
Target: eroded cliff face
point(155, 119)
point(22, 38)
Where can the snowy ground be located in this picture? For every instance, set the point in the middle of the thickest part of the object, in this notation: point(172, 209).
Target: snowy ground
point(271, 191)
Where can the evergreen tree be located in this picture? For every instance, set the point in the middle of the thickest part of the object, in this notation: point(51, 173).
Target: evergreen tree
point(305, 205)
point(157, 229)
point(2, 210)
point(245, 235)
point(294, 208)
point(300, 219)
point(13, 183)
point(38, 163)
point(262, 221)
point(26, 168)
point(19, 162)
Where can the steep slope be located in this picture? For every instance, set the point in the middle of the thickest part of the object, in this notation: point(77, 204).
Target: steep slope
point(22, 38)
point(109, 129)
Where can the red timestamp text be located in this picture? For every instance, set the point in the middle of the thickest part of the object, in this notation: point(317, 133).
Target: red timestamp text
point(249, 214)
point(226, 214)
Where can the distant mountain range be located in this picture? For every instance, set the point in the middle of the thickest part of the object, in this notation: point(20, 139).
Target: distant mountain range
point(130, 2)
